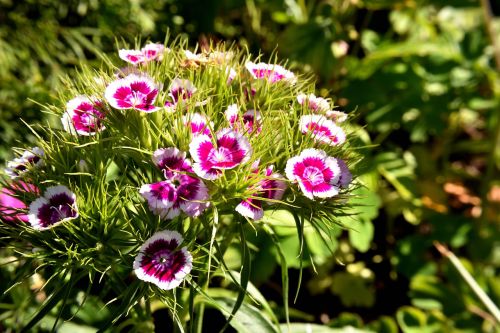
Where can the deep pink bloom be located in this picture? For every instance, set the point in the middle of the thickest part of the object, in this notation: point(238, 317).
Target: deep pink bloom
point(31, 158)
point(133, 92)
point(58, 204)
point(199, 123)
point(230, 149)
point(270, 72)
point(269, 190)
point(316, 173)
point(83, 116)
point(162, 262)
point(322, 129)
point(12, 209)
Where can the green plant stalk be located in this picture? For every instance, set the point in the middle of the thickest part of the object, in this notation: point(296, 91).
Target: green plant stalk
point(483, 297)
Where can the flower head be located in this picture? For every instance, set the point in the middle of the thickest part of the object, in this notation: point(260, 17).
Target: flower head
point(180, 192)
point(162, 262)
point(58, 204)
point(10, 205)
point(316, 173)
point(29, 159)
point(83, 116)
point(133, 57)
point(137, 92)
point(230, 149)
point(251, 119)
point(171, 160)
point(315, 104)
point(322, 129)
point(153, 51)
point(269, 72)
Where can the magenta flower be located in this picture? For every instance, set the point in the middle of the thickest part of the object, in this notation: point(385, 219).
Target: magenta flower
point(251, 119)
point(316, 173)
point(269, 72)
point(162, 262)
point(230, 149)
point(11, 207)
point(32, 158)
point(133, 57)
point(199, 123)
point(58, 204)
point(322, 129)
point(137, 92)
point(83, 116)
point(268, 190)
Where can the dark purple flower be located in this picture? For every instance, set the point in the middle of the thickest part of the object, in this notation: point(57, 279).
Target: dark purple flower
point(57, 205)
point(162, 262)
point(31, 158)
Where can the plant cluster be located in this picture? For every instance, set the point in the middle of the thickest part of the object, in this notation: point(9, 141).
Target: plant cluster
point(162, 164)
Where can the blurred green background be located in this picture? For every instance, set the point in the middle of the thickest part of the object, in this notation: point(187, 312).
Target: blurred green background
point(420, 76)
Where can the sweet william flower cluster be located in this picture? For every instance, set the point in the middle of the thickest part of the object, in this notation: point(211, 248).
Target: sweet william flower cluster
point(153, 153)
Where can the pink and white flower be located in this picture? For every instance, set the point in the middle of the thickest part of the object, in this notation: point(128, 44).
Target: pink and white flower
point(83, 116)
point(322, 129)
point(162, 262)
point(179, 193)
point(133, 57)
point(199, 123)
point(12, 208)
point(150, 52)
point(269, 190)
point(316, 173)
point(230, 150)
point(31, 158)
point(58, 204)
point(137, 92)
point(153, 51)
point(251, 119)
point(315, 104)
point(180, 90)
point(271, 73)
point(231, 75)
point(336, 116)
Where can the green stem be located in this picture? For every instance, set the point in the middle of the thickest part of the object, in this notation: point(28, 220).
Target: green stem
point(483, 297)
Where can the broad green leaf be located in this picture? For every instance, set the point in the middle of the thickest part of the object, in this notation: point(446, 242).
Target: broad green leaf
point(315, 328)
point(248, 319)
point(361, 235)
point(353, 290)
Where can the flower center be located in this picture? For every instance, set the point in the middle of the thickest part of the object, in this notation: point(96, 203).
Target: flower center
point(162, 258)
point(220, 155)
point(60, 212)
point(136, 98)
point(313, 175)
